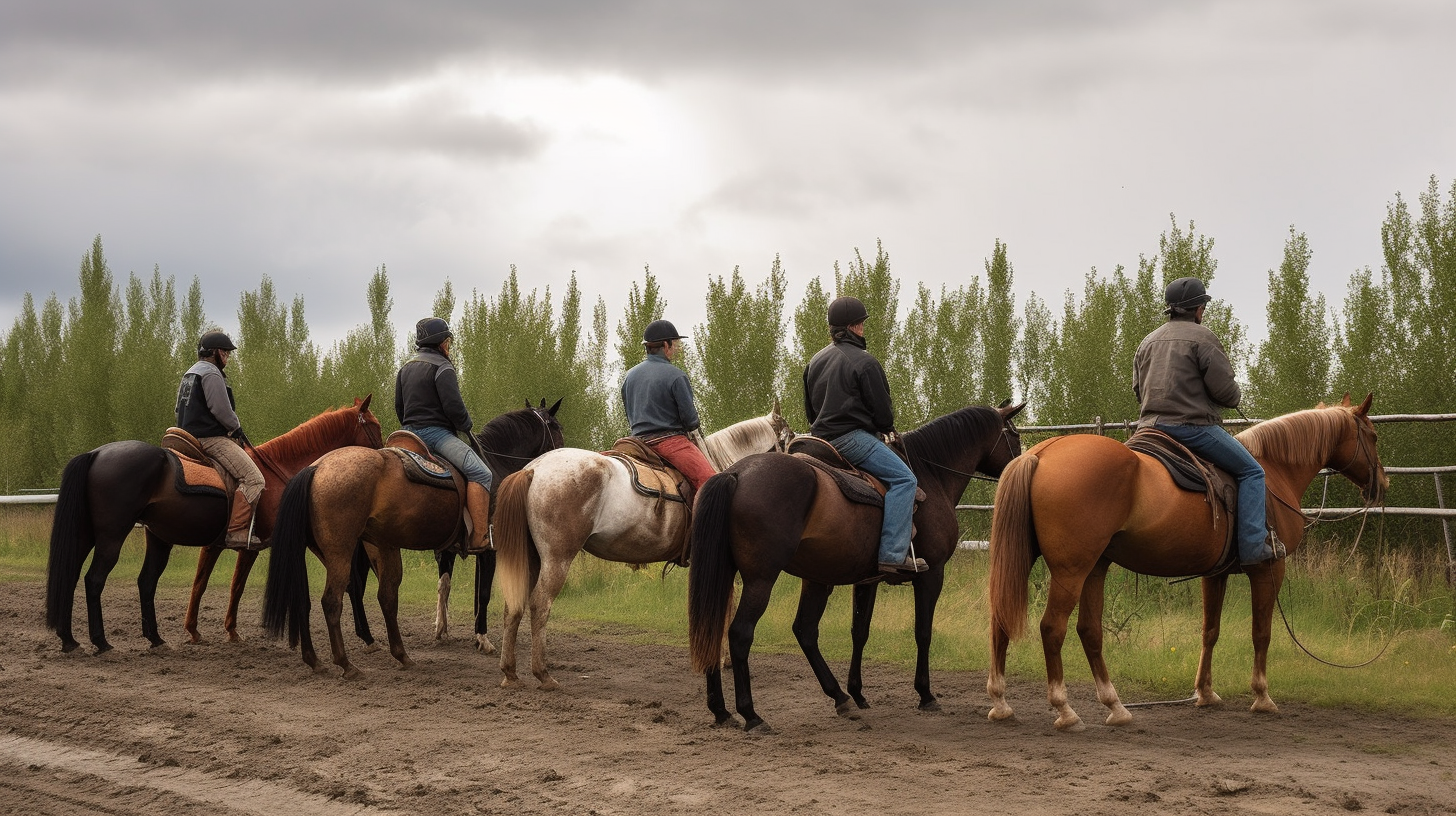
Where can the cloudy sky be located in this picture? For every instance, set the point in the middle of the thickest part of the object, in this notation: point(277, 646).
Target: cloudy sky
point(312, 142)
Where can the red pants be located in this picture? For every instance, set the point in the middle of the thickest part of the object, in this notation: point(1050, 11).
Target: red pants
point(682, 454)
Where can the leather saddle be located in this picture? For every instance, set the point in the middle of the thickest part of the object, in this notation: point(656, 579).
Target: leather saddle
point(422, 467)
point(857, 486)
point(654, 478)
point(197, 473)
point(1195, 475)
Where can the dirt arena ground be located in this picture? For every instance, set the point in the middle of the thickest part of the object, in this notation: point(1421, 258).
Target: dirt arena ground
point(245, 728)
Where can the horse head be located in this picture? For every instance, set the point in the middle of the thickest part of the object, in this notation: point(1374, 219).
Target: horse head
point(1362, 461)
point(367, 431)
point(1009, 445)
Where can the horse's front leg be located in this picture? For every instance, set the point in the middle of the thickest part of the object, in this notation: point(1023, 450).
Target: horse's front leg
point(484, 578)
point(391, 572)
point(859, 635)
point(1214, 589)
point(241, 571)
point(928, 586)
point(155, 561)
point(206, 560)
point(813, 598)
point(445, 570)
point(1089, 631)
point(1264, 583)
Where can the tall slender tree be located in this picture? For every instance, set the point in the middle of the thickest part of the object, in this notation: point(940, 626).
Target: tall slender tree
point(740, 358)
point(1292, 370)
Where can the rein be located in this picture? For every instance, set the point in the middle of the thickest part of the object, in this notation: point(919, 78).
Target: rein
point(1004, 437)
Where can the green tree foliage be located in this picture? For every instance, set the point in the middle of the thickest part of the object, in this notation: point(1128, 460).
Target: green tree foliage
point(940, 354)
point(144, 392)
point(93, 329)
point(739, 360)
point(811, 333)
point(999, 330)
point(364, 362)
point(275, 375)
point(644, 305)
point(1292, 371)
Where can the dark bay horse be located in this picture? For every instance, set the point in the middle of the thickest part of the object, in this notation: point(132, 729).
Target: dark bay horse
point(355, 495)
point(572, 500)
point(773, 513)
point(1085, 502)
point(107, 491)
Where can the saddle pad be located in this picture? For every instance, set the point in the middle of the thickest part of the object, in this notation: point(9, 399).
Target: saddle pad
point(853, 485)
point(424, 471)
point(195, 478)
point(653, 482)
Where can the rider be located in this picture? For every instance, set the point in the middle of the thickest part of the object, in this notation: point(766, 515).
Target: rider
point(428, 403)
point(206, 409)
point(1183, 381)
point(847, 400)
point(660, 407)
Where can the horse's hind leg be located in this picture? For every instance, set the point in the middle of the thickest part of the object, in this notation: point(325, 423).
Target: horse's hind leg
point(206, 560)
point(1089, 631)
point(484, 577)
point(751, 607)
point(859, 634)
point(548, 586)
point(241, 570)
point(103, 560)
point(445, 568)
point(158, 553)
point(332, 602)
point(1062, 593)
point(813, 598)
point(1214, 588)
point(358, 582)
point(391, 571)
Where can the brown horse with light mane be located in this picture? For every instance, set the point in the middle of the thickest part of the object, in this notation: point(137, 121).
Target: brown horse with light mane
point(1085, 502)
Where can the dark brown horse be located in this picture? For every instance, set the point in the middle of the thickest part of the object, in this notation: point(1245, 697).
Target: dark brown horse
point(1086, 502)
point(107, 491)
point(773, 513)
point(356, 495)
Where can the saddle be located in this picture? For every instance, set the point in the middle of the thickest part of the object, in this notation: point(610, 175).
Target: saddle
point(857, 486)
point(196, 472)
point(1195, 475)
point(654, 478)
point(422, 467)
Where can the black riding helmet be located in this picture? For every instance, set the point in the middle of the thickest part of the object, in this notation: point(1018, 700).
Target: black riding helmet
point(1185, 295)
point(847, 311)
point(215, 341)
point(432, 331)
point(660, 331)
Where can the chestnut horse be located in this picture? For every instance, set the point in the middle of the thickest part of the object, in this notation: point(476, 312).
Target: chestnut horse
point(356, 495)
point(107, 491)
point(1086, 502)
point(773, 513)
point(572, 500)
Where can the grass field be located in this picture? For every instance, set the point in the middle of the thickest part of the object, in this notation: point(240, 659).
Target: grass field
point(1344, 608)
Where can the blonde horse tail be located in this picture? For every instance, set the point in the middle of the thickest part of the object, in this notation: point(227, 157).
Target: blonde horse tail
point(710, 578)
point(513, 540)
point(1012, 546)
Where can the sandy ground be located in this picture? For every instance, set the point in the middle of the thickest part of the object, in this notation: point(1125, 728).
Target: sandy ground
point(246, 728)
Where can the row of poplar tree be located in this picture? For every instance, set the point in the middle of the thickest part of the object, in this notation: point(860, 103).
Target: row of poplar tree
point(104, 365)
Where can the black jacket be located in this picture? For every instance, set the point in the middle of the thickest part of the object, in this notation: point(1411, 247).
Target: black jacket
point(427, 393)
point(845, 389)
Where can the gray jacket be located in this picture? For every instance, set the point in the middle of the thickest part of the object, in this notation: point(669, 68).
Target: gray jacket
point(659, 399)
point(1182, 376)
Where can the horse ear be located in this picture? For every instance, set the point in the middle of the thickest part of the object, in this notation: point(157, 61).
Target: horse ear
point(1345, 403)
point(552, 412)
point(364, 403)
point(1004, 403)
point(528, 405)
point(1013, 410)
point(777, 409)
point(1364, 409)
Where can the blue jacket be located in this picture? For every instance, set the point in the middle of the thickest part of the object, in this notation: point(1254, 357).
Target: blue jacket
point(658, 399)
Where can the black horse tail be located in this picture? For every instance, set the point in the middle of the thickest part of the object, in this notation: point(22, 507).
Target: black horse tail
point(72, 537)
point(710, 578)
point(359, 570)
point(285, 597)
point(512, 536)
point(1013, 546)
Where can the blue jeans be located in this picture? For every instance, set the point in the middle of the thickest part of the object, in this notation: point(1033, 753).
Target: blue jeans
point(449, 447)
point(868, 453)
point(1219, 447)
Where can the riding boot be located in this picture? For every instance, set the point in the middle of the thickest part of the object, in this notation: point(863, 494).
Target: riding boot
point(477, 502)
point(240, 526)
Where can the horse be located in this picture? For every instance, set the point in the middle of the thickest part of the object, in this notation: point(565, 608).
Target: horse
point(1085, 502)
point(773, 513)
point(107, 491)
point(572, 500)
point(494, 441)
point(355, 495)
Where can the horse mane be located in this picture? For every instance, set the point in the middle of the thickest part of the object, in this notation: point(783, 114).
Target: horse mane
point(951, 430)
point(728, 445)
point(1301, 438)
point(318, 433)
point(519, 422)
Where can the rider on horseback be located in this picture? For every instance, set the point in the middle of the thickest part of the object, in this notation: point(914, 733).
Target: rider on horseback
point(428, 403)
point(1183, 381)
point(206, 409)
point(660, 407)
point(847, 400)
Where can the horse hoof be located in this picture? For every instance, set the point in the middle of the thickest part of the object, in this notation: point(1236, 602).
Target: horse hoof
point(194, 638)
point(102, 648)
point(233, 637)
point(1209, 699)
point(933, 705)
point(510, 683)
point(549, 684)
point(406, 664)
point(757, 728)
point(370, 648)
point(1074, 726)
point(725, 721)
point(483, 645)
point(1264, 706)
point(847, 710)
point(352, 673)
point(159, 647)
point(69, 646)
point(1001, 713)
point(1120, 716)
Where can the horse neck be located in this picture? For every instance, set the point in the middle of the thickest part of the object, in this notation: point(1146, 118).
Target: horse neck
point(742, 439)
point(509, 443)
point(297, 448)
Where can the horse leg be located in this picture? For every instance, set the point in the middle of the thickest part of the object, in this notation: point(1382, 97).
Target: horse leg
point(512, 627)
point(157, 554)
point(484, 577)
point(715, 699)
point(1264, 583)
point(996, 676)
point(206, 560)
point(358, 582)
point(332, 602)
point(1089, 631)
point(928, 587)
point(551, 578)
point(813, 598)
point(445, 568)
point(1214, 588)
point(391, 571)
point(103, 560)
point(1061, 600)
point(241, 570)
point(751, 606)
point(859, 633)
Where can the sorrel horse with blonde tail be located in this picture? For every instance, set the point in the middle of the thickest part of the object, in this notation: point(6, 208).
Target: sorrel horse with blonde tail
point(572, 500)
point(1086, 502)
point(106, 492)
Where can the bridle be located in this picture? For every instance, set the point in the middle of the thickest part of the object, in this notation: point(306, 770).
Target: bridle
point(547, 442)
point(1008, 432)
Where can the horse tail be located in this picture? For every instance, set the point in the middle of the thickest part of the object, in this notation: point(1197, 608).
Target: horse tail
point(512, 535)
point(710, 578)
point(1013, 544)
point(72, 537)
point(285, 597)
